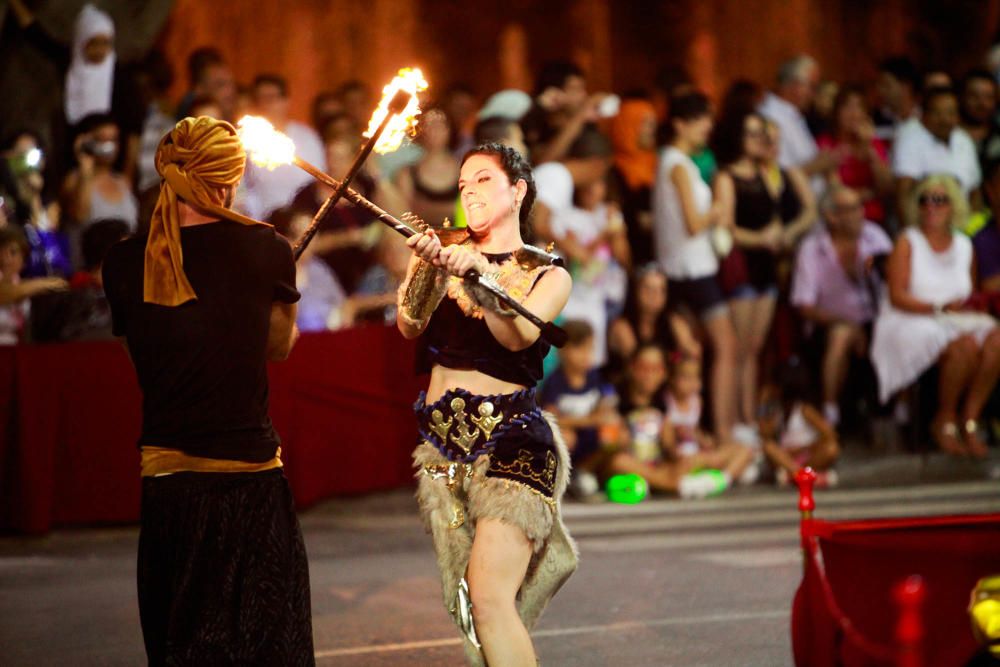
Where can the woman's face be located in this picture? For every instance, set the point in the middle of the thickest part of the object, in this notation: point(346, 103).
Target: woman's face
point(97, 49)
point(11, 260)
point(488, 197)
point(852, 113)
point(652, 292)
point(649, 370)
point(434, 131)
point(697, 130)
point(935, 208)
point(754, 138)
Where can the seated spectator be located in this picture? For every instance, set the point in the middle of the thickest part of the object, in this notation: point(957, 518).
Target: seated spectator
point(268, 190)
point(325, 105)
point(584, 406)
point(339, 127)
point(356, 100)
point(209, 77)
point(934, 144)
point(633, 136)
point(592, 235)
point(978, 107)
point(323, 298)
point(798, 79)
point(83, 312)
point(835, 288)
point(647, 450)
point(429, 188)
point(206, 106)
point(928, 320)
point(863, 159)
point(684, 217)
point(95, 190)
point(15, 292)
point(795, 434)
point(647, 320)
point(819, 117)
point(23, 181)
point(688, 443)
point(936, 79)
point(987, 239)
point(898, 90)
point(375, 298)
point(459, 105)
point(155, 77)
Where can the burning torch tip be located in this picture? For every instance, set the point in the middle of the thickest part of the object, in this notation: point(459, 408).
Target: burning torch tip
point(399, 101)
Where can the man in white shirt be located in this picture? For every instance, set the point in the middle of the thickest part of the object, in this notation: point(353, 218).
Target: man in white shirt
point(267, 191)
point(935, 144)
point(797, 82)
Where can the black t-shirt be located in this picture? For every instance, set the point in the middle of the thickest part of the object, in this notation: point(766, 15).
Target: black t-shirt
point(202, 365)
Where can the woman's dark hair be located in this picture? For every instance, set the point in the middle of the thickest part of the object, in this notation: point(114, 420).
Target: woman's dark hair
point(663, 335)
point(517, 169)
point(686, 106)
point(554, 75)
point(843, 96)
point(739, 102)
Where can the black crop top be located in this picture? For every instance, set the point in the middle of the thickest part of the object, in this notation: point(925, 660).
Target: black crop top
point(455, 340)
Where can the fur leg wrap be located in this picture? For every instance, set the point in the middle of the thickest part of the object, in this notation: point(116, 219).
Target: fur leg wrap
point(420, 294)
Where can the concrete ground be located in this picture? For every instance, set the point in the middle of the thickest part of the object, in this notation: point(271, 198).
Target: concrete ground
point(665, 582)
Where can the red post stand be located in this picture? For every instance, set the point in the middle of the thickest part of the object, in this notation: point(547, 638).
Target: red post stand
point(909, 596)
point(805, 479)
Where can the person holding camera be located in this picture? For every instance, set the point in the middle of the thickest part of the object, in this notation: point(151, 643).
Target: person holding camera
point(95, 190)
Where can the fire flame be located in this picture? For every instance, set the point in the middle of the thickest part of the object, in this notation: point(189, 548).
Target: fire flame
point(265, 146)
point(402, 124)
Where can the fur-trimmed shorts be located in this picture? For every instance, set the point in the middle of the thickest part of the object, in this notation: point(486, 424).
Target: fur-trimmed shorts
point(497, 457)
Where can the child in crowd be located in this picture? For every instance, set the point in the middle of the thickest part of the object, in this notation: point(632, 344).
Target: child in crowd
point(585, 406)
point(648, 452)
point(795, 432)
point(16, 292)
point(694, 448)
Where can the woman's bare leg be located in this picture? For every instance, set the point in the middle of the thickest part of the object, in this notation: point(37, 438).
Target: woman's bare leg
point(956, 368)
point(984, 378)
point(723, 374)
point(497, 565)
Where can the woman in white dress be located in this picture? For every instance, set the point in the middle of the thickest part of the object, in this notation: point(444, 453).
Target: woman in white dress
point(926, 320)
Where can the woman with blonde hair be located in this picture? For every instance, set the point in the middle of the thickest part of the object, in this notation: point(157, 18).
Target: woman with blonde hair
point(928, 320)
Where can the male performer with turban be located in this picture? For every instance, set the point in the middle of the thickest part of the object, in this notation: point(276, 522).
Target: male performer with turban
point(203, 303)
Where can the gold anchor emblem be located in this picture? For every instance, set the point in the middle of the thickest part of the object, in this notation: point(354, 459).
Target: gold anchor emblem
point(464, 436)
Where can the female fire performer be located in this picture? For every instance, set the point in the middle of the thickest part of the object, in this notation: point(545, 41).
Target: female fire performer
point(491, 467)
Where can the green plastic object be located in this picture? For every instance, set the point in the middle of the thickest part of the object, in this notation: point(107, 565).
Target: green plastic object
point(718, 480)
point(627, 489)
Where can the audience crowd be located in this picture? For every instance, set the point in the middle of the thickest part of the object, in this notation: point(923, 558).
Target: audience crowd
point(752, 276)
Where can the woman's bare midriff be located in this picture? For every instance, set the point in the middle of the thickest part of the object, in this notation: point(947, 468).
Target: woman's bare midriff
point(443, 379)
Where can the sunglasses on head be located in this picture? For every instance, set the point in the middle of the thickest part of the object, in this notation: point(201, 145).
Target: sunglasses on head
point(933, 200)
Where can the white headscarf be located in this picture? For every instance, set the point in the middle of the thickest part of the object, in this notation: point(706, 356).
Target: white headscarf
point(89, 85)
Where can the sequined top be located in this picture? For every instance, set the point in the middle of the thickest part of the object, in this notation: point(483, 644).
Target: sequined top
point(458, 337)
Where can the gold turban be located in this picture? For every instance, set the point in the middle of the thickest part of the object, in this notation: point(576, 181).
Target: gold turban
point(200, 160)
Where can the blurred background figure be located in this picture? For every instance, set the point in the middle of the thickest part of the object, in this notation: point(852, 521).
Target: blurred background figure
point(209, 77)
point(267, 190)
point(16, 292)
point(429, 187)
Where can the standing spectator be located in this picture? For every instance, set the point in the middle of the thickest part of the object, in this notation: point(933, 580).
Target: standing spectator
point(562, 110)
point(898, 91)
point(934, 144)
point(927, 320)
point(633, 136)
point(155, 78)
point(23, 170)
point(835, 288)
point(797, 82)
point(978, 107)
point(94, 190)
point(15, 292)
point(209, 76)
point(683, 218)
point(863, 158)
point(647, 320)
point(96, 83)
point(429, 187)
point(269, 190)
point(594, 229)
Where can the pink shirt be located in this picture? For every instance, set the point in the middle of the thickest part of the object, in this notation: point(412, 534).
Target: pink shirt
point(821, 282)
point(857, 173)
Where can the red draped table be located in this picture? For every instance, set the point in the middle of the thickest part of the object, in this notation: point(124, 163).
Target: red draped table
point(70, 417)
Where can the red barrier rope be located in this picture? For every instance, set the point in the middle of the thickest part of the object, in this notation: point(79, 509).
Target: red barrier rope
point(908, 594)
